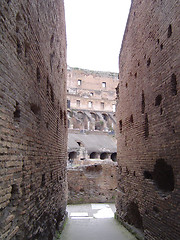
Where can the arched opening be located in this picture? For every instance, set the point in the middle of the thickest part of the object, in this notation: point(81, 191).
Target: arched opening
point(99, 125)
point(80, 115)
point(72, 155)
point(93, 155)
point(69, 113)
point(104, 155)
point(95, 116)
point(114, 157)
point(105, 116)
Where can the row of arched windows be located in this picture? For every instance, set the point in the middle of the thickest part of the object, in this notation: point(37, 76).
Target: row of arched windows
point(95, 155)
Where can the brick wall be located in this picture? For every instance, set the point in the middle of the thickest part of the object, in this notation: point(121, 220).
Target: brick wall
point(93, 182)
point(33, 122)
point(148, 120)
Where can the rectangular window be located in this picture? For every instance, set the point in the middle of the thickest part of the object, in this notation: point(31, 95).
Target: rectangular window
point(90, 104)
point(79, 82)
point(102, 105)
point(114, 107)
point(68, 103)
point(77, 103)
point(103, 84)
point(120, 126)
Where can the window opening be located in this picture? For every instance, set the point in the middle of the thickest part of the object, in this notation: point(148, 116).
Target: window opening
point(68, 103)
point(79, 82)
point(104, 156)
point(102, 105)
point(120, 126)
point(114, 107)
point(114, 157)
point(93, 155)
point(90, 104)
point(78, 103)
point(103, 84)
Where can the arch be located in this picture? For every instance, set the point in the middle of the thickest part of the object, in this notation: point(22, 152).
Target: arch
point(104, 155)
point(80, 115)
point(80, 112)
point(94, 115)
point(114, 157)
point(72, 155)
point(69, 113)
point(105, 116)
point(99, 125)
point(93, 155)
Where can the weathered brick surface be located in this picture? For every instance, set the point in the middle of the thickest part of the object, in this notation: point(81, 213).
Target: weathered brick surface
point(91, 89)
point(93, 182)
point(91, 99)
point(33, 125)
point(148, 120)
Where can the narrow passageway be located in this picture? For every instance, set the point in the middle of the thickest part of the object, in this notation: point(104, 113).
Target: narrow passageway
point(95, 222)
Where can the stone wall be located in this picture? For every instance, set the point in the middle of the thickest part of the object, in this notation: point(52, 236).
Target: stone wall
point(33, 122)
point(93, 182)
point(148, 120)
point(91, 145)
point(85, 86)
point(87, 120)
point(91, 99)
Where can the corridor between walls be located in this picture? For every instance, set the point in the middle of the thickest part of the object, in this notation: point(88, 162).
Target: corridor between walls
point(93, 222)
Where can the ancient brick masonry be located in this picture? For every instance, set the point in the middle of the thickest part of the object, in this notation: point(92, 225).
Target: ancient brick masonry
point(92, 182)
point(148, 120)
point(33, 122)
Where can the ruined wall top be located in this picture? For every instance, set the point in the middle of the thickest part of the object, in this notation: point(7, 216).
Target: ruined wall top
point(93, 72)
